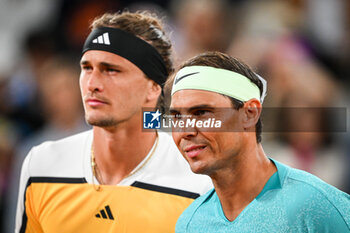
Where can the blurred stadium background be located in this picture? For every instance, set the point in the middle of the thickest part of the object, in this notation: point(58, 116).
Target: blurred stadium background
point(302, 48)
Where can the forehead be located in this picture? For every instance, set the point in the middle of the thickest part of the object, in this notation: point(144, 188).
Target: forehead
point(190, 98)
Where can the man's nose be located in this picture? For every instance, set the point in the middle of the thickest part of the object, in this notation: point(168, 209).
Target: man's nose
point(186, 131)
point(94, 82)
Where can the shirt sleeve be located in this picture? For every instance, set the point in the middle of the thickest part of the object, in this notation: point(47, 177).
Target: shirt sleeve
point(316, 212)
point(20, 216)
point(25, 217)
point(333, 219)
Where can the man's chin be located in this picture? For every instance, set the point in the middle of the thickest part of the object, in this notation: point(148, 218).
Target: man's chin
point(101, 122)
point(198, 169)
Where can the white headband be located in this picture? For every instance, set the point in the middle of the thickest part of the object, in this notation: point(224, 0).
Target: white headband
point(217, 80)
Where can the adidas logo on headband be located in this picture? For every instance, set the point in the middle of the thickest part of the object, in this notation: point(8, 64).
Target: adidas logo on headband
point(103, 39)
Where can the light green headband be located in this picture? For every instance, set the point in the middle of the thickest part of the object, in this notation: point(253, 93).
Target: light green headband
point(221, 81)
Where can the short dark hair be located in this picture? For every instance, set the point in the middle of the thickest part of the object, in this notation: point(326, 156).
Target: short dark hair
point(224, 61)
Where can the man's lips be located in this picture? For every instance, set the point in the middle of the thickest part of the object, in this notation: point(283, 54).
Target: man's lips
point(94, 102)
point(194, 150)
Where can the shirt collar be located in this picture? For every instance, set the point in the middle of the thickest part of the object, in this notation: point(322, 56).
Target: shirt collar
point(276, 180)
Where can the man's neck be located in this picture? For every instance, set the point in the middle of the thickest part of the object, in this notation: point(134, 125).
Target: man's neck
point(118, 151)
point(239, 185)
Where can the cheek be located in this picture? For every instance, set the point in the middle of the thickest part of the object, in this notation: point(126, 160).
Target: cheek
point(209, 138)
point(229, 141)
point(82, 84)
point(131, 92)
point(176, 138)
point(141, 89)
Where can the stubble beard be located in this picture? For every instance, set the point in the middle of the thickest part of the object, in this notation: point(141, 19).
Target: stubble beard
point(107, 122)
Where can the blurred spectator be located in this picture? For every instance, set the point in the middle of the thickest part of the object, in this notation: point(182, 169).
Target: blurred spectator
point(326, 27)
point(62, 108)
point(7, 141)
point(271, 40)
point(60, 95)
point(322, 26)
point(21, 89)
point(262, 25)
point(313, 149)
point(17, 19)
point(203, 25)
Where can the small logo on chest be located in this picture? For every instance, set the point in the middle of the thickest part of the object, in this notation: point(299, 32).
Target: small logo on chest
point(105, 213)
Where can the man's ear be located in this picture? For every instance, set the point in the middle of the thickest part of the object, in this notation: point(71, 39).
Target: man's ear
point(252, 110)
point(154, 91)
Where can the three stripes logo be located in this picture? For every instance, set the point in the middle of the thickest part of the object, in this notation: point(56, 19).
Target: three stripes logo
point(105, 213)
point(103, 39)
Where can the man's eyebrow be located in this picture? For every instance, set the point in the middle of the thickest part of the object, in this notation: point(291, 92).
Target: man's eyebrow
point(173, 111)
point(201, 106)
point(106, 64)
point(193, 108)
point(84, 62)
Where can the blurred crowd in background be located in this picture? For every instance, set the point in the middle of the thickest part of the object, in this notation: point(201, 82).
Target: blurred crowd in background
point(301, 47)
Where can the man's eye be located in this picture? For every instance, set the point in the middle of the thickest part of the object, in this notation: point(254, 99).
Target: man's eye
point(200, 112)
point(86, 68)
point(176, 115)
point(110, 70)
